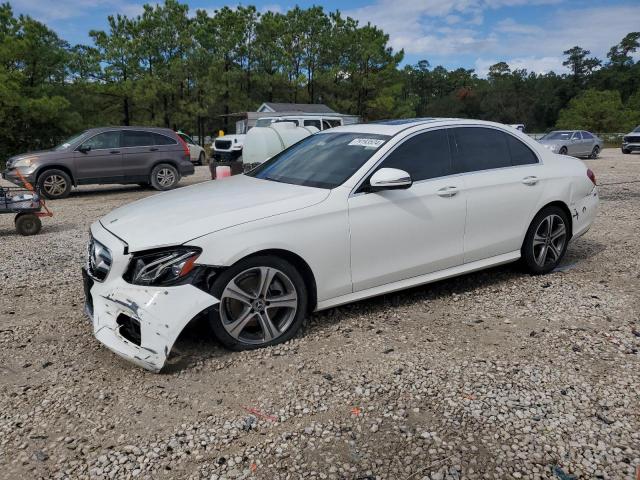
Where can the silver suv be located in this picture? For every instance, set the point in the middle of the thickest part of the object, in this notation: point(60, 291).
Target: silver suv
point(631, 141)
point(155, 157)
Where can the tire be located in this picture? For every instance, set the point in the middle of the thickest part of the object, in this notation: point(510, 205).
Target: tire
point(164, 177)
point(201, 159)
point(54, 184)
point(563, 151)
point(537, 254)
point(249, 313)
point(28, 224)
point(625, 151)
point(595, 152)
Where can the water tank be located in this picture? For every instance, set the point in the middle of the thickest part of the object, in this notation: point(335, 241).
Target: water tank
point(262, 143)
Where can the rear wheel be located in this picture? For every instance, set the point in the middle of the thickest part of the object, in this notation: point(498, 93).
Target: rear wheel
point(263, 302)
point(164, 177)
point(563, 151)
point(54, 184)
point(28, 224)
point(595, 152)
point(201, 159)
point(546, 241)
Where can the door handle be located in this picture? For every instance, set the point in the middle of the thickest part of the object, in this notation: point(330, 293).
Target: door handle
point(153, 149)
point(532, 180)
point(114, 151)
point(447, 191)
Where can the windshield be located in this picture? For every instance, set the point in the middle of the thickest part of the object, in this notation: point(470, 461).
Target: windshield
point(322, 160)
point(67, 143)
point(637, 129)
point(557, 136)
point(186, 138)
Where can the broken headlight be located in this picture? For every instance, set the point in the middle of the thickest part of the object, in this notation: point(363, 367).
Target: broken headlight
point(162, 267)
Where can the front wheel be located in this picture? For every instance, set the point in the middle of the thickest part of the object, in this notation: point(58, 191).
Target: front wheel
point(546, 241)
point(28, 224)
point(164, 177)
point(54, 184)
point(595, 152)
point(201, 159)
point(563, 151)
point(626, 151)
point(263, 302)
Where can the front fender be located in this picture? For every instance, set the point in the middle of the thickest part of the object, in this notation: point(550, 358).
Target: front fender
point(318, 234)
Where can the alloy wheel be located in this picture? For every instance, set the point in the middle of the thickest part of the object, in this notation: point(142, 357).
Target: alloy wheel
point(549, 240)
point(258, 305)
point(165, 177)
point(54, 185)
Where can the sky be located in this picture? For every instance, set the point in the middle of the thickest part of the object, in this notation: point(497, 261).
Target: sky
point(475, 34)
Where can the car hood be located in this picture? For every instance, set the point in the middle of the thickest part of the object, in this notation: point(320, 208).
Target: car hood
point(178, 216)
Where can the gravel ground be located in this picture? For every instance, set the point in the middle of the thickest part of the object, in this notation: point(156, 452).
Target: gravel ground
point(492, 375)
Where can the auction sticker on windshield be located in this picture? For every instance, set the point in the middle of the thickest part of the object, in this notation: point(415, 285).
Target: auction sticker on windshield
point(366, 142)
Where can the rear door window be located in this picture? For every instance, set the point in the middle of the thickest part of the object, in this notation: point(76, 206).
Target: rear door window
point(313, 123)
point(587, 135)
point(423, 156)
point(478, 148)
point(135, 138)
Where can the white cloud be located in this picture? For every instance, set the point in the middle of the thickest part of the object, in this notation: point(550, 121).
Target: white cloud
point(69, 9)
point(439, 28)
point(531, 64)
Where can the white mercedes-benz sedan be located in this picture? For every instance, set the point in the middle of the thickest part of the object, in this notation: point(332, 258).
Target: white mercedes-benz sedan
point(342, 215)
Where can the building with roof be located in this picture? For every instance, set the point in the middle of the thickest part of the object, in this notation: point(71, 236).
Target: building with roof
point(315, 108)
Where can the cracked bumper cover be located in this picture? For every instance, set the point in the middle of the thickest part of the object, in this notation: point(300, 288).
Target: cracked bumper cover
point(162, 312)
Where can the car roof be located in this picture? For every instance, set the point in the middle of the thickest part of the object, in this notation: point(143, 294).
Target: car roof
point(133, 127)
point(393, 127)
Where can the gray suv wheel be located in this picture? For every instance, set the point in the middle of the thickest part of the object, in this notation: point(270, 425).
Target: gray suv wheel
point(164, 177)
point(54, 184)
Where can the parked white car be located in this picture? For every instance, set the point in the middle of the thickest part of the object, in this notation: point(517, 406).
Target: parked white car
point(631, 141)
point(342, 215)
point(196, 152)
point(228, 147)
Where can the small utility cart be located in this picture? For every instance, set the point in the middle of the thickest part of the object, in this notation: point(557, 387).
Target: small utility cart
point(27, 204)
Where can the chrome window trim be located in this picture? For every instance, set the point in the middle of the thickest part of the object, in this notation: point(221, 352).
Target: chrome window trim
point(354, 191)
point(122, 148)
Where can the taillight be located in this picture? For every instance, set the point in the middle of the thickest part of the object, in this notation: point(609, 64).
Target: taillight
point(184, 146)
point(591, 176)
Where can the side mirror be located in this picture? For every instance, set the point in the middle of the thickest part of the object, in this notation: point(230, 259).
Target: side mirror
point(389, 179)
point(84, 148)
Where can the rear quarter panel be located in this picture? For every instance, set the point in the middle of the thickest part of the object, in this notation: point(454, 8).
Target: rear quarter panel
point(568, 182)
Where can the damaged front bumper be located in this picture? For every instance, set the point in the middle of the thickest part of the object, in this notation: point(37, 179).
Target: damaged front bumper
point(138, 323)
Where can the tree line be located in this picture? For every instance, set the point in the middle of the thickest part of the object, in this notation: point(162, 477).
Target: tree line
point(184, 70)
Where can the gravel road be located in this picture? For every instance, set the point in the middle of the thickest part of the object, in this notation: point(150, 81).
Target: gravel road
point(492, 375)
